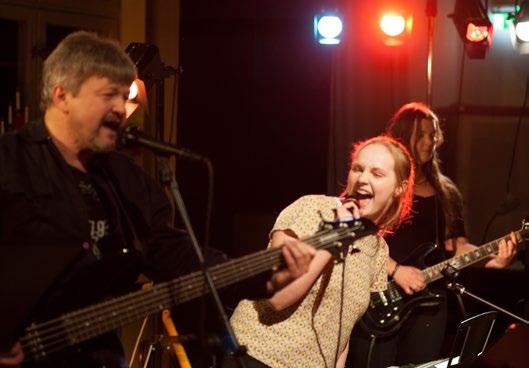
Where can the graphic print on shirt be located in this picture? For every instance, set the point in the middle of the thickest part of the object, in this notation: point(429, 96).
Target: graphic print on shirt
point(98, 218)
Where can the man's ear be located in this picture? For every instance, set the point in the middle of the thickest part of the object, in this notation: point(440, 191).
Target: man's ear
point(59, 97)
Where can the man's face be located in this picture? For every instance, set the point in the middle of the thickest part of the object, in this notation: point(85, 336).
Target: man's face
point(96, 113)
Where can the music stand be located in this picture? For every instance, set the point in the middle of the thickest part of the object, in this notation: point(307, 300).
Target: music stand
point(469, 343)
point(471, 338)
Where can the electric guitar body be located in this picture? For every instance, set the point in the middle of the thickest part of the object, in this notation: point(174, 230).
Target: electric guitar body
point(388, 309)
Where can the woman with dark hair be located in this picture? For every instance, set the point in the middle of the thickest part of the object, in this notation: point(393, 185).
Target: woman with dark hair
point(437, 217)
point(308, 323)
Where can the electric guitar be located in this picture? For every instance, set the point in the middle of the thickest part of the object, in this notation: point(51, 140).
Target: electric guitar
point(388, 309)
point(41, 339)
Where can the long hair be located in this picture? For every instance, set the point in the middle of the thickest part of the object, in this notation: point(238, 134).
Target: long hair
point(404, 126)
point(82, 55)
point(400, 208)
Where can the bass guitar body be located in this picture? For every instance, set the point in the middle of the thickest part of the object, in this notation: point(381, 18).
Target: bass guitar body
point(388, 309)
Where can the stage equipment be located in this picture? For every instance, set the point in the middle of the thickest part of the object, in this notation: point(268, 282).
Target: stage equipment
point(392, 24)
point(152, 72)
point(474, 26)
point(520, 28)
point(328, 28)
point(394, 20)
point(133, 90)
point(395, 25)
point(521, 22)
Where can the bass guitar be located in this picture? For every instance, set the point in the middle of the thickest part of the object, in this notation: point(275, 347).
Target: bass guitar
point(41, 339)
point(388, 309)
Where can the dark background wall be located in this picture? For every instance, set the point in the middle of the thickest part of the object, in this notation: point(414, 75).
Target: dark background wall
point(254, 97)
point(277, 113)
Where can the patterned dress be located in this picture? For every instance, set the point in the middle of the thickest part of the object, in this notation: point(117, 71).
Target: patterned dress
point(306, 333)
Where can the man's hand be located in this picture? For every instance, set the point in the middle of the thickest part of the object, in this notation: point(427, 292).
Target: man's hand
point(13, 358)
point(410, 279)
point(297, 256)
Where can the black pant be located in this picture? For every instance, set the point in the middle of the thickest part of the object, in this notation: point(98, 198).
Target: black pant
point(418, 341)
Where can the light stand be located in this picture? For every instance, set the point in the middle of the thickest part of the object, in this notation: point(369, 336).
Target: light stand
point(151, 70)
point(169, 181)
point(431, 12)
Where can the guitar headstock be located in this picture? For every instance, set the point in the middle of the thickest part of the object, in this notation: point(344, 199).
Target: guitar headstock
point(338, 235)
point(356, 227)
point(524, 231)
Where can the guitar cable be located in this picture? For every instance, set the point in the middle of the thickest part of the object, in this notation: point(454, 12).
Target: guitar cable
point(342, 290)
point(370, 350)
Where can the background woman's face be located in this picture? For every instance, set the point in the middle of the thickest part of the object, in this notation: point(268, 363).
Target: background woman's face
point(423, 141)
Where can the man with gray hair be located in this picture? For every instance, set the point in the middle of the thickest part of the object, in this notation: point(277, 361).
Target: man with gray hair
point(62, 183)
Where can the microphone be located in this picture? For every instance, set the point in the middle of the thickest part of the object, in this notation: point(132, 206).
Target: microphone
point(130, 135)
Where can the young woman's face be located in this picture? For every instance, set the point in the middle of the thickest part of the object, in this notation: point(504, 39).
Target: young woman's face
point(423, 141)
point(372, 181)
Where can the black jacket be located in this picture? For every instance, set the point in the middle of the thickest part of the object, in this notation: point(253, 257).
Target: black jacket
point(42, 210)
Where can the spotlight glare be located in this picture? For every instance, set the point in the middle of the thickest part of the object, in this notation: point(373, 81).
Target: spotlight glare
point(522, 31)
point(392, 24)
point(133, 91)
point(330, 26)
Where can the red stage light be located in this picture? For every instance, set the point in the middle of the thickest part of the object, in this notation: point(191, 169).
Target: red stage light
point(477, 33)
point(392, 24)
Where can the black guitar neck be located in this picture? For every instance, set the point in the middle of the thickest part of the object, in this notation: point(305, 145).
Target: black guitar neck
point(434, 272)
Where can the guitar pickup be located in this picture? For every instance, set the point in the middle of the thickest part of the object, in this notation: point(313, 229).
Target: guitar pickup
point(383, 298)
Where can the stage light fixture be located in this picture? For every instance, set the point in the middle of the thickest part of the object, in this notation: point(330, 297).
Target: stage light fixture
point(392, 25)
point(521, 22)
point(151, 75)
point(147, 59)
point(395, 26)
point(519, 28)
point(133, 90)
point(328, 28)
point(474, 26)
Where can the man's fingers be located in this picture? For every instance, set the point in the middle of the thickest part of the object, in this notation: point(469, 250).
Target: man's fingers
point(14, 357)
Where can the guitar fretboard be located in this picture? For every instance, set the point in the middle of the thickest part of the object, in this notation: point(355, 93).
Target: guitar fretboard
point(434, 272)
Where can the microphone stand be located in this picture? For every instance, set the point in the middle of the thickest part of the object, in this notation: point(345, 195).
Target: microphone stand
point(450, 273)
point(170, 181)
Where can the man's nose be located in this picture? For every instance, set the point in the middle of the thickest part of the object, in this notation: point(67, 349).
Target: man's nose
point(119, 107)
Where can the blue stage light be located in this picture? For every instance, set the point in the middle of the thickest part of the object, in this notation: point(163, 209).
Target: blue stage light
point(328, 29)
